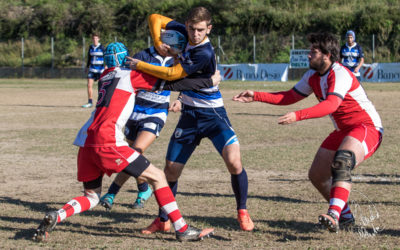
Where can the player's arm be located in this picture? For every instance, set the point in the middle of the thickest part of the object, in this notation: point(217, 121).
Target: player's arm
point(166, 73)
point(88, 59)
point(323, 108)
point(276, 98)
point(156, 23)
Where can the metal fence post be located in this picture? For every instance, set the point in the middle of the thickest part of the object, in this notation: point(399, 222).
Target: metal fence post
point(219, 49)
point(22, 56)
point(254, 48)
point(373, 48)
point(292, 41)
point(52, 53)
point(83, 54)
point(148, 41)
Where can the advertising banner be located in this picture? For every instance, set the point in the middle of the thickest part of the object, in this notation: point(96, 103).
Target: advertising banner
point(299, 59)
point(380, 72)
point(254, 72)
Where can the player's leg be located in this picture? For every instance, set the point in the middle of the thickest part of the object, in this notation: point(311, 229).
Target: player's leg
point(91, 197)
point(142, 169)
point(90, 81)
point(177, 156)
point(358, 144)
point(143, 140)
point(226, 142)
point(107, 200)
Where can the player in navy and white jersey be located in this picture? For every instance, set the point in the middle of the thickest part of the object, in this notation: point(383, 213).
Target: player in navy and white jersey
point(95, 66)
point(352, 54)
point(103, 149)
point(143, 127)
point(358, 127)
point(203, 113)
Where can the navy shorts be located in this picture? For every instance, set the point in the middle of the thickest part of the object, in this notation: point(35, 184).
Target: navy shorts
point(133, 128)
point(196, 124)
point(94, 76)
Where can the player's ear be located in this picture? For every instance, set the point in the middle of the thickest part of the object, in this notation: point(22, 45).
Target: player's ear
point(209, 27)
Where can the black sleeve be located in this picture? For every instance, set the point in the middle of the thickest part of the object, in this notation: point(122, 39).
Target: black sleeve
point(188, 84)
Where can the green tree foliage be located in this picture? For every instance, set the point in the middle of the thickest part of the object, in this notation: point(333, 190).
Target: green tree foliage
point(273, 22)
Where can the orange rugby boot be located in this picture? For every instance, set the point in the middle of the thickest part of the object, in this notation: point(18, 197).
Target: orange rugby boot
point(157, 226)
point(245, 222)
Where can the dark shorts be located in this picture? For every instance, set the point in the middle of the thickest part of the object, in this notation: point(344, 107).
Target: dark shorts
point(196, 124)
point(94, 76)
point(133, 128)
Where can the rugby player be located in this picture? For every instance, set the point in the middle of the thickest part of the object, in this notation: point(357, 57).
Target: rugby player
point(103, 150)
point(358, 128)
point(203, 113)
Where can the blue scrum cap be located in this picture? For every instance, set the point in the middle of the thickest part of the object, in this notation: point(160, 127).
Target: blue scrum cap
point(115, 54)
point(351, 33)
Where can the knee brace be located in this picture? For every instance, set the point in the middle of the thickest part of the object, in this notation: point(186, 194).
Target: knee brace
point(343, 162)
point(93, 198)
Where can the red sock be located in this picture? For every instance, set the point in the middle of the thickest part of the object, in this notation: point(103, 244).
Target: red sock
point(74, 206)
point(167, 203)
point(338, 199)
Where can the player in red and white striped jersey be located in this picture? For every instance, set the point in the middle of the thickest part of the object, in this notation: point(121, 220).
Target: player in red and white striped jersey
point(103, 149)
point(358, 128)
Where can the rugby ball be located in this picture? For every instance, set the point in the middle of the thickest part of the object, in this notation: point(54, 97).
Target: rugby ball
point(176, 40)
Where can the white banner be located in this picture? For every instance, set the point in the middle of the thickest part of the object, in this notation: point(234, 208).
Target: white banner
point(254, 72)
point(380, 72)
point(299, 59)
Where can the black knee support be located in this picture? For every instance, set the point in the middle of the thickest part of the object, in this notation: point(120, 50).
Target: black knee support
point(343, 162)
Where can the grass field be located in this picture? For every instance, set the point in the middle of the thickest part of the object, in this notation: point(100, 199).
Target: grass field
point(40, 118)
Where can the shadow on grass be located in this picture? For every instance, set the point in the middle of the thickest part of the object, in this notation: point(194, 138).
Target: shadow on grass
point(257, 114)
point(39, 106)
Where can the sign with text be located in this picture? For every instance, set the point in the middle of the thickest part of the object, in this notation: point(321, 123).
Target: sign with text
point(299, 59)
point(254, 72)
point(380, 72)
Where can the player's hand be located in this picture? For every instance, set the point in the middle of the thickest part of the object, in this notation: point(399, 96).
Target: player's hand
point(162, 49)
point(176, 106)
point(132, 62)
point(287, 119)
point(216, 78)
point(245, 96)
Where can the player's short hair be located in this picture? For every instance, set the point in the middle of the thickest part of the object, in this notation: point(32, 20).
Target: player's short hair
point(326, 43)
point(199, 14)
point(96, 34)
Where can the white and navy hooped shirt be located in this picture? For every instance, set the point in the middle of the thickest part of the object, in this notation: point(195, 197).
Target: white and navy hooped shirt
point(198, 61)
point(152, 106)
point(96, 58)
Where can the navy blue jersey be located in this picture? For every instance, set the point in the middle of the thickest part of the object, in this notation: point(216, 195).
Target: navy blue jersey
point(198, 61)
point(351, 55)
point(95, 61)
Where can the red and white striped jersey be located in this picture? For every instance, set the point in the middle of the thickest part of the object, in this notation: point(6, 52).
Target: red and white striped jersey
point(114, 106)
point(355, 108)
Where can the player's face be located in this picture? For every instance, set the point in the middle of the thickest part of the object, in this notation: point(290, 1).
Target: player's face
point(350, 40)
point(95, 40)
point(197, 31)
point(316, 59)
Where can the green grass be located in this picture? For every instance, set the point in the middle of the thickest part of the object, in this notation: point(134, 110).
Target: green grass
point(40, 118)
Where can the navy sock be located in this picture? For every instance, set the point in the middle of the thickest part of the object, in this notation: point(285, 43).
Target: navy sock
point(90, 101)
point(240, 187)
point(114, 188)
point(174, 187)
point(143, 187)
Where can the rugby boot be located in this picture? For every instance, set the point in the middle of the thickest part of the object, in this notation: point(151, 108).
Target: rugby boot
point(142, 198)
point(194, 234)
point(87, 105)
point(245, 222)
point(157, 226)
point(329, 221)
point(107, 201)
point(347, 223)
point(47, 225)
